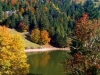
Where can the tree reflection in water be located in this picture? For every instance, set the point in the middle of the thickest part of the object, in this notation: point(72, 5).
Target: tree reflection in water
point(46, 63)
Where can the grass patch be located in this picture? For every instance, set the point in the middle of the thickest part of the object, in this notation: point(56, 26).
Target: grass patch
point(29, 44)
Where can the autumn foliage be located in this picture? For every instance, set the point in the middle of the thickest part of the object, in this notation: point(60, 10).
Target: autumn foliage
point(44, 37)
point(21, 10)
point(38, 36)
point(85, 48)
point(23, 27)
point(12, 55)
point(35, 35)
point(85, 28)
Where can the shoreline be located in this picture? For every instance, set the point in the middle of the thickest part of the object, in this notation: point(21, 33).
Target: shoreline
point(46, 49)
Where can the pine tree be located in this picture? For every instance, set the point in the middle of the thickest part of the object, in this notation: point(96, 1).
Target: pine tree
point(91, 10)
point(44, 22)
point(13, 24)
point(9, 5)
point(4, 6)
point(8, 22)
point(0, 12)
point(18, 18)
point(26, 20)
point(33, 21)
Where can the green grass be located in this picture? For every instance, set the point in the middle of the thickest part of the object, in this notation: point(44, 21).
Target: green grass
point(28, 43)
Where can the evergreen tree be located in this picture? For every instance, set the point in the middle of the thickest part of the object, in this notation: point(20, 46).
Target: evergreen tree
point(89, 8)
point(8, 22)
point(9, 5)
point(44, 22)
point(0, 12)
point(19, 17)
point(33, 21)
point(17, 6)
point(13, 24)
point(26, 19)
point(38, 15)
point(4, 6)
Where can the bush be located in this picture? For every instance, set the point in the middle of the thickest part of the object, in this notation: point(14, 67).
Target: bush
point(23, 27)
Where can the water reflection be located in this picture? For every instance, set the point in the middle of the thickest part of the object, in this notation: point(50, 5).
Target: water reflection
point(44, 59)
point(46, 63)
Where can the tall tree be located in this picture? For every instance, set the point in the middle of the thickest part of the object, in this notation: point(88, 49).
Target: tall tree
point(13, 22)
point(26, 19)
point(91, 10)
point(9, 5)
point(0, 12)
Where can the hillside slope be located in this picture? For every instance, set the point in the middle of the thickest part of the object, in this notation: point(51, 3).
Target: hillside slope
point(28, 43)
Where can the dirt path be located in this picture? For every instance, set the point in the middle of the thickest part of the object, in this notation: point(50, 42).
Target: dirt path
point(46, 49)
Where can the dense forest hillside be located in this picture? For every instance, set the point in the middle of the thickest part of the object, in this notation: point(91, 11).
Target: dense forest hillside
point(56, 19)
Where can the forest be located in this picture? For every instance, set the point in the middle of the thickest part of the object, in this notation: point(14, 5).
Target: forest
point(54, 18)
point(61, 23)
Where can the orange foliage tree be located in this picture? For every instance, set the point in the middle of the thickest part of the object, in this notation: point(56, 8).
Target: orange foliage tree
point(12, 55)
point(84, 28)
point(44, 39)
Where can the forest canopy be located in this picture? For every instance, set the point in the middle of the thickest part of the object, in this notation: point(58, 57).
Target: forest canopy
point(57, 17)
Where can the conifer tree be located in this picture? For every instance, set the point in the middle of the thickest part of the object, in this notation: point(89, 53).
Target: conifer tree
point(13, 24)
point(0, 12)
point(26, 19)
point(91, 10)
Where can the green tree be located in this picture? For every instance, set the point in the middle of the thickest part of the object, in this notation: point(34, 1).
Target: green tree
point(4, 6)
point(8, 22)
point(89, 8)
point(60, 41)
point(0, 12)
point(44, 25)
point(9, 5)
point(18, 18)
point(33, 21)
point(26, 19)
point(17, 6)
point(13, 22)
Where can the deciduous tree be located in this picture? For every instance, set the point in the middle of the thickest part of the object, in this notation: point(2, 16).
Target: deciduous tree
point(84, 56)
point(35, 35)
point(12, 55)
point(44, 37)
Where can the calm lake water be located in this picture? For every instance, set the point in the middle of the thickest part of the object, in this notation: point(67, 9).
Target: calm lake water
point(46, 63)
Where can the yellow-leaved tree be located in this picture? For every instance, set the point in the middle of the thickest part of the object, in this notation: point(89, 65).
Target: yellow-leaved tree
point(35, 35)
point(41, 37)
point(13, 60)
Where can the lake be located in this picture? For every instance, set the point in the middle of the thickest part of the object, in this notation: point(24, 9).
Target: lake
point(46, 63)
